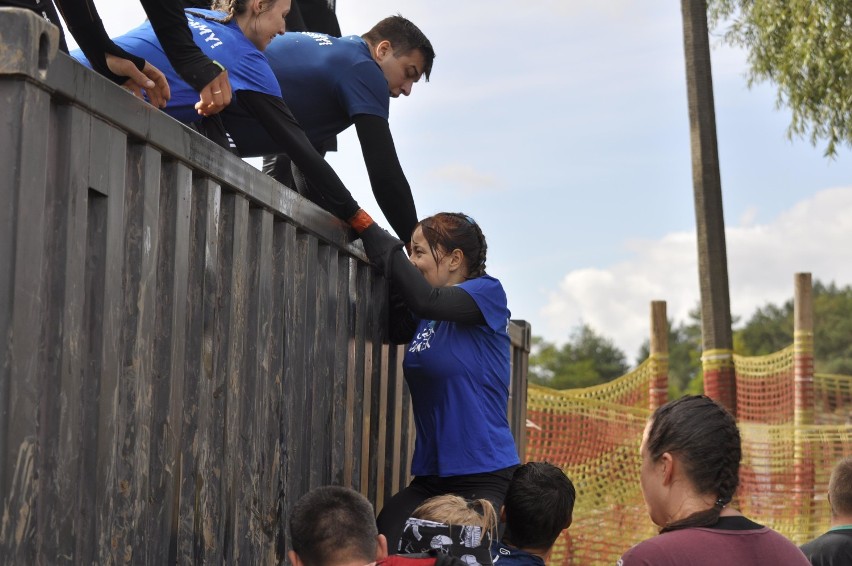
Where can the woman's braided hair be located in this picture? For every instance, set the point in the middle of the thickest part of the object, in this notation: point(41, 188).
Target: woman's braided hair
point(447, 231)
point(705, 438)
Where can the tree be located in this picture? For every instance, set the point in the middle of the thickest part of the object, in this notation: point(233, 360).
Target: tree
point(586, 359)
point(771, 328)
point(804, 47)
point(684, 356)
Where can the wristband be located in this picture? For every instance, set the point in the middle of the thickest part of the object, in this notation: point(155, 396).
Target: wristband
point(360, 221)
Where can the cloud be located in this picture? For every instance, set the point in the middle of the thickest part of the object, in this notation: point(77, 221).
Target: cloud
point(813, 236)
point(467, 178)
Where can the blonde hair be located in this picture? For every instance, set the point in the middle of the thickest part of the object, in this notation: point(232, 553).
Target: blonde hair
point(232, 8)
point(455, 510)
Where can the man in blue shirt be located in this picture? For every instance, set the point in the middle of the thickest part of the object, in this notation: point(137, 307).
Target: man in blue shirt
point(330, 83)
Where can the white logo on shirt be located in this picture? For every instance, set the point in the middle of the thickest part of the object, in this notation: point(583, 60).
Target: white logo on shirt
point(422, 340)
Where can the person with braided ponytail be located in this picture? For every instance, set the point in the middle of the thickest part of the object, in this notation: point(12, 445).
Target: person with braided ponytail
point(457, 363)
point(691, 453)
point(257, 121)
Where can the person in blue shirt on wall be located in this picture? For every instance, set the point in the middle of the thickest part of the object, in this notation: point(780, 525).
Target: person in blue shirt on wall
point(330, 83)
point(258, 121)
point(457, 363)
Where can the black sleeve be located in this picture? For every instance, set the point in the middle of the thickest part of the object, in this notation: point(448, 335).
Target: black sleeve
point(169, 22)
point(272, 112)
point(453, 304)
point(390, 186)
point(86, 26)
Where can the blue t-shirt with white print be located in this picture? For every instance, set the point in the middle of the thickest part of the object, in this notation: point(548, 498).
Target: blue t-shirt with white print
point(458, 375)
point(326, 81)
point(248, 68)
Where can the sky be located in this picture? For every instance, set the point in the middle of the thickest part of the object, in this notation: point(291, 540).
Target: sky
point(562, 128)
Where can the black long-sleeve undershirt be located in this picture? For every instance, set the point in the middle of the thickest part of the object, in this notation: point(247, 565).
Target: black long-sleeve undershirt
point(390, 187)
point(452, 304)
point(169, 22)
point(280, 124)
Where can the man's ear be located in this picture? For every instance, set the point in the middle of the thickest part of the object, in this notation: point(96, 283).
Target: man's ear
point(381, 547)
point(294, 558)
point(382, 50)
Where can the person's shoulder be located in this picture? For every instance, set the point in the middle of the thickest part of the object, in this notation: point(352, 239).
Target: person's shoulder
point(483, 282)
point(505, 555)
point(655, 550)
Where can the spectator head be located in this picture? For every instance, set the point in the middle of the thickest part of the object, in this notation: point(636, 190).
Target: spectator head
point(696, 438)
point(455, 510)
point(334, 526)
point(402, 51)
point(538, 506)
point(451, 525)
point(840, 490)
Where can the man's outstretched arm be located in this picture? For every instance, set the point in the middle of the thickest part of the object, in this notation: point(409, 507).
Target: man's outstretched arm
point(390, 187)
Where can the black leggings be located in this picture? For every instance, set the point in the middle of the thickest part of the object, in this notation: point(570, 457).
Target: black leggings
point(489, 485)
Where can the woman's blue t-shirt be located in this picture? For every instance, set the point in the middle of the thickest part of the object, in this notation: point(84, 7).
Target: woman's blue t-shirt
point(247, 67)
point(458, 375)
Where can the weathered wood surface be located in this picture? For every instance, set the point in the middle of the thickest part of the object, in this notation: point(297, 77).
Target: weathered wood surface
point(186, 346)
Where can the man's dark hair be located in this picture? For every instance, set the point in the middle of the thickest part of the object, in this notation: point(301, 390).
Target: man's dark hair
point(332, 523)
point(404, 37)
point(538, 506)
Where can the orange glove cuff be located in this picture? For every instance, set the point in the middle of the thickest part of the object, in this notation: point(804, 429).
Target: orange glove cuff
point(360, 221)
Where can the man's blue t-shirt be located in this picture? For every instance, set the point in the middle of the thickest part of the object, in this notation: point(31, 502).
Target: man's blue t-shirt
point(458, 375)
point(327, 80)
point(247, 67)
point(503, 555)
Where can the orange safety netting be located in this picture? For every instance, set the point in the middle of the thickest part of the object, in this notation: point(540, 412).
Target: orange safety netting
point(594, 435)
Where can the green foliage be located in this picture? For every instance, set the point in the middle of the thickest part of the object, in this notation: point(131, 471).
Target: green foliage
point(684, 356)
point(590, 359)
point(804, 47)
point(771, 329)
point(586, 359)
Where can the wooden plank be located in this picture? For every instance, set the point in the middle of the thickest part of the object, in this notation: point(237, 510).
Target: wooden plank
point(380, 436)
point(208, 524)
point(141, 239)
point(276, 443)
point(340, 370)
point(306, 298)
point(360, 375)
point(68, 209)
point(168, 365)
point(395, 419)
point(293, 379)
point(197, 536)
point(321, 363)
point(21, 305)
point(108, 158)
point(256, 401)
point(234, 239)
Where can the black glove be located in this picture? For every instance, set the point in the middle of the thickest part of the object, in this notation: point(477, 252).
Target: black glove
point(380, 246)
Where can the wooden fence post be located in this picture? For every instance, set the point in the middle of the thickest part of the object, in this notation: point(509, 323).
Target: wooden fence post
point(659, 385)
point(803, 401)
